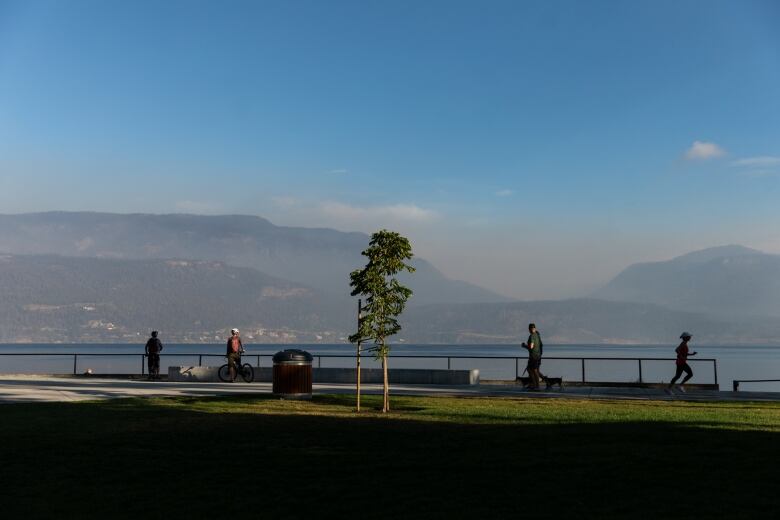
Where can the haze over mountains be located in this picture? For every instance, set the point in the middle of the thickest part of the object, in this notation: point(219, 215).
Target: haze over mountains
point(108, 277)
point(319, 258)
point(60, 298)
point(729, 281)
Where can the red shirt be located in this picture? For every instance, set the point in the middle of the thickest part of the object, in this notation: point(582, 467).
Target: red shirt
point(234, 344)
point(682, 353)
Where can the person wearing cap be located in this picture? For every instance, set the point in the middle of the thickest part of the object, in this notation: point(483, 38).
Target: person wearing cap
point(534, 348)
point(682, 362)
point(153, 349)
point(234, 350)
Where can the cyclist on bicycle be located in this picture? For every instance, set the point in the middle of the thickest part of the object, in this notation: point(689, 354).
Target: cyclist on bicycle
point(234, 350)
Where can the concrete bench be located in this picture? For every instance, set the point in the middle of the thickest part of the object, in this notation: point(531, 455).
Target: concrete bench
point(403, 376)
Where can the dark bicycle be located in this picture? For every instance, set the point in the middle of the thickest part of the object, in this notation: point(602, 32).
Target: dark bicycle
point(244, 370)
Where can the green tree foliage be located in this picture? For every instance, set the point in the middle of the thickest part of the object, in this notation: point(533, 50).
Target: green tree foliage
point(388, 254)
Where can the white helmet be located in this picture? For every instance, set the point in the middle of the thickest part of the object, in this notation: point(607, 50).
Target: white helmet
point(685, 335)
point(234, 331)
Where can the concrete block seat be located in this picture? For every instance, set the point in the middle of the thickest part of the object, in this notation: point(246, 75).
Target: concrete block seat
point(404, 376)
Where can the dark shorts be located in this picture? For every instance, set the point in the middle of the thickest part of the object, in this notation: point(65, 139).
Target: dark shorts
point(234, 359)
point(534, 363)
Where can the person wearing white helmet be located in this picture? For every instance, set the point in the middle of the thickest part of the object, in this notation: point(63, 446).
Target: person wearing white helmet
point(234, 350)
point(682, 362)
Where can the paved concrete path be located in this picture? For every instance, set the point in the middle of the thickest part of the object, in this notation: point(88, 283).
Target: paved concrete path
point(30, 388)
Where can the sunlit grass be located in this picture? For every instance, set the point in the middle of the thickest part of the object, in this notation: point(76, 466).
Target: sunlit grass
point(740, 416)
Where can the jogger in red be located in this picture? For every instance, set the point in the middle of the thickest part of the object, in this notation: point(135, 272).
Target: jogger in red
point(682, 362)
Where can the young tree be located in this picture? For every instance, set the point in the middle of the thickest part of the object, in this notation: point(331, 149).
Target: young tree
point(387, 253)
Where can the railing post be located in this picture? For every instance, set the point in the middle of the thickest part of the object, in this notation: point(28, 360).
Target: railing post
point(715, 369)
point(583, 369)
point(75, 361)
point(735, 385)
point(517, 368)
point(319, 361)
point(640, 370)
point(200, 360)
point(142, 363)
point(448, 362)
point(258, 361)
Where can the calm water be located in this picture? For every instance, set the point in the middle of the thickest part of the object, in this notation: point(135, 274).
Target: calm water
point(754, 362)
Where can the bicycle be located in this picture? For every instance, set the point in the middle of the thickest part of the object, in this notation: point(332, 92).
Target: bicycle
point(245, 370)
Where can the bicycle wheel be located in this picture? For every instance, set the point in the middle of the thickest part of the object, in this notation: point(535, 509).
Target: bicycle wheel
point(224, 373)
point(247, 373)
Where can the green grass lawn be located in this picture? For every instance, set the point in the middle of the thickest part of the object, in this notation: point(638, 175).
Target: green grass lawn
point(429, 458)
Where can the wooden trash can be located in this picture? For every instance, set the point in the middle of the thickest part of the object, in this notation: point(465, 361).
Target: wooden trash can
point(292, 374)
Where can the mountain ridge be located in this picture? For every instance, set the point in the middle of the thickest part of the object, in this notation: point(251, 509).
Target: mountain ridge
point(49, 298)
point(723, 281)
point(317, 257)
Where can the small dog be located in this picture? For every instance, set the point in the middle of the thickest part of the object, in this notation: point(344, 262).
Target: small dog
point(549, 382)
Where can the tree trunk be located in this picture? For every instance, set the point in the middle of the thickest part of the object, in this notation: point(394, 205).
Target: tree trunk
point(358, 377)
point(385, 387)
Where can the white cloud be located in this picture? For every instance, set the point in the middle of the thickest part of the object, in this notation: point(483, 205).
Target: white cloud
point(702, 150)
point(395, 212)
point(505, 193)
point(765, 160)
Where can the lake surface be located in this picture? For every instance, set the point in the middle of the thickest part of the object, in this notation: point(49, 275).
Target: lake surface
point(746, 362)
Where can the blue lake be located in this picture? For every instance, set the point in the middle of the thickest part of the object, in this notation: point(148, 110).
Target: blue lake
point(743, 362)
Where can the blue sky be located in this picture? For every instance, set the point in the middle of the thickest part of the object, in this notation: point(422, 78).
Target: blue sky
point(533, 147)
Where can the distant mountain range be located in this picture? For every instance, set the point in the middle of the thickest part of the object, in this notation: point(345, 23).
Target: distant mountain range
point(728, 281)
point(51, 298)
point(317, 258)
point(111, 278)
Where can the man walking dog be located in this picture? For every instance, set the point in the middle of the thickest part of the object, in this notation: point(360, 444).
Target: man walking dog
point(534, 348)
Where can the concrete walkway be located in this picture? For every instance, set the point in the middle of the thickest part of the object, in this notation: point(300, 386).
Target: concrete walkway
point(31, 388)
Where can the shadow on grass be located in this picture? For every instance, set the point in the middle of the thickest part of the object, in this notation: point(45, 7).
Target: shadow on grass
point(141, 458)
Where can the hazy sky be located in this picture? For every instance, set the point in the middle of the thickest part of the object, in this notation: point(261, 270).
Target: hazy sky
point(535, 148)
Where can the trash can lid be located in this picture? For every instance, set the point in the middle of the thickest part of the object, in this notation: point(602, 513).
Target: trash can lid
point(292, 354)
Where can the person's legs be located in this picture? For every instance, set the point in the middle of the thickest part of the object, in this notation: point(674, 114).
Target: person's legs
point(688, 373)
point(533, 372)
point(537, 378)
point(232, 367)
point(677, 375)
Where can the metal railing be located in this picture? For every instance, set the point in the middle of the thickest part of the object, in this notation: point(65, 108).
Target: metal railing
point(516, 360)
point(735, 383)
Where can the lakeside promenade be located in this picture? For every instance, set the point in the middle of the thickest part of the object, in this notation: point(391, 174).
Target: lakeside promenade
point(43, 388)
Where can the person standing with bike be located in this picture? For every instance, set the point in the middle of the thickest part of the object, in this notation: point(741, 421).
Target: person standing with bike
point(153, 348)
point(234, 350)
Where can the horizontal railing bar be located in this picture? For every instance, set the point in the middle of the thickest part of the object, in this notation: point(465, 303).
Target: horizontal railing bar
point(405, 356)
point(443, 356)
point(757, 380)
